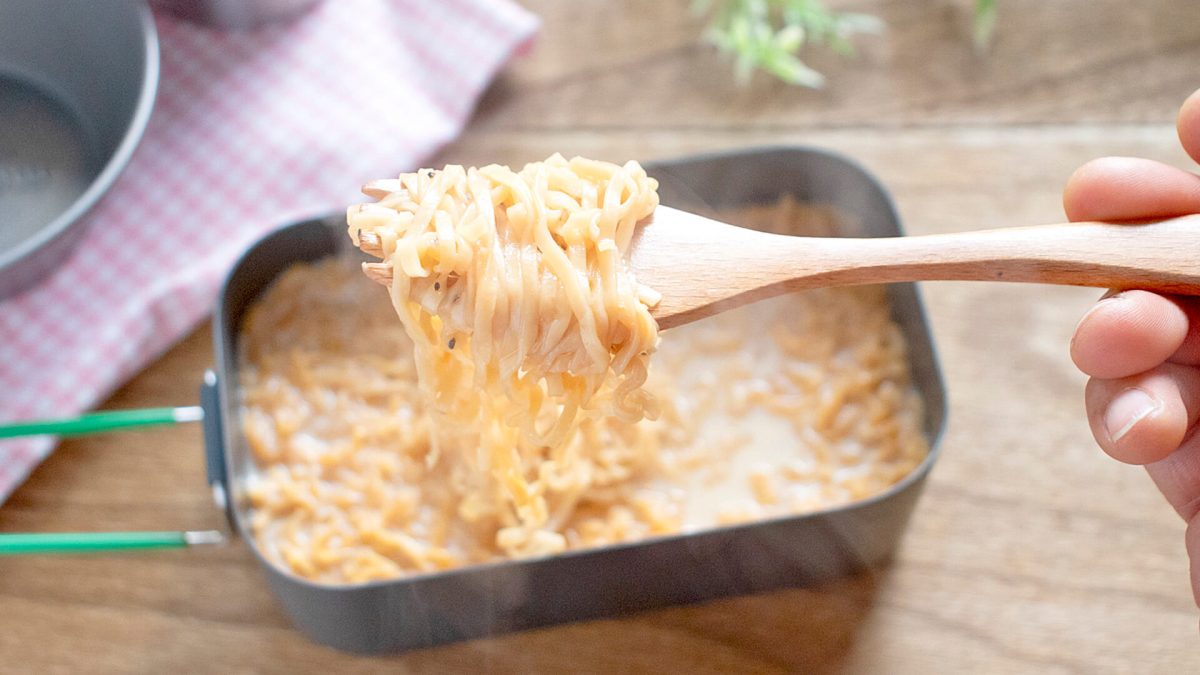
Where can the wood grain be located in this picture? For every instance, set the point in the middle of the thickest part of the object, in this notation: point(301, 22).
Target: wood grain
point(703, 267)
point(634, 64)
point(1030, 550)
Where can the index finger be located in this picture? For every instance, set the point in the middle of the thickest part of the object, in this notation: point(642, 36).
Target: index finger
point(1188, 125)
point(1131, 188)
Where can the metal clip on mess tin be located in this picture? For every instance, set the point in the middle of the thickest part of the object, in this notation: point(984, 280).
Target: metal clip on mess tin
point(479, 600)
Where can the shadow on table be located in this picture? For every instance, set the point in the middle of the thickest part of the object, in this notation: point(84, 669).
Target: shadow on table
point(794, 630)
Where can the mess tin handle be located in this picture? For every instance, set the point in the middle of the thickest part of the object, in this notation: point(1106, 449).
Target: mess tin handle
point(214, 444)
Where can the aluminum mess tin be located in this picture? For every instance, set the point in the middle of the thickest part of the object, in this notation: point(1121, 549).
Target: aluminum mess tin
point(480, 600)
point(77, 86)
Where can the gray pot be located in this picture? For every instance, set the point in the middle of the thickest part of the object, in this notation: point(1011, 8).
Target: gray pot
point(480, 600)
point(77, 83)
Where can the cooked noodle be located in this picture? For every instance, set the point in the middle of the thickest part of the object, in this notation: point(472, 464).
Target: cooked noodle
point(526, 323)
point(786, 406)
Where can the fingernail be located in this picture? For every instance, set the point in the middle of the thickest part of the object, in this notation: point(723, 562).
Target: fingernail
point(1127, 409)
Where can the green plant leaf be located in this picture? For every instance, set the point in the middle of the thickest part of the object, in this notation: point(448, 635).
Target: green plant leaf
point(985, 23)
point(767, 35)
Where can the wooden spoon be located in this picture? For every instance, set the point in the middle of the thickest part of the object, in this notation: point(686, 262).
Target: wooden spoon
point(703, 266)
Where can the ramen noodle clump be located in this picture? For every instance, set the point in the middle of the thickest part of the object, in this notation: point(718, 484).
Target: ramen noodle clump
point(526, 325)
point(368, 471)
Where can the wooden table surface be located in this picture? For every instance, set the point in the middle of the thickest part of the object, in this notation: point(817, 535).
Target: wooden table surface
point(1030, 551)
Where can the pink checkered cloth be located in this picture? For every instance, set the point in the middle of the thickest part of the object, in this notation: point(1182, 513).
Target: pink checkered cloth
point(250, 131)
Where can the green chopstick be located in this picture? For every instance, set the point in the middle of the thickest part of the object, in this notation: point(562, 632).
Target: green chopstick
point(102, 542)
point(109, 420)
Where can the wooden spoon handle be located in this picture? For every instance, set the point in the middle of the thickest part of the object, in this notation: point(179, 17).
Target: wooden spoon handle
point(1159, 256)
point(701, 266)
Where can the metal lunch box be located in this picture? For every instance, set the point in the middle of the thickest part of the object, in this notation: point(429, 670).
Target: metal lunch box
point(474, 601)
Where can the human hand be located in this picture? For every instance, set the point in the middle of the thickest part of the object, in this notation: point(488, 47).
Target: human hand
point(1141, 349)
